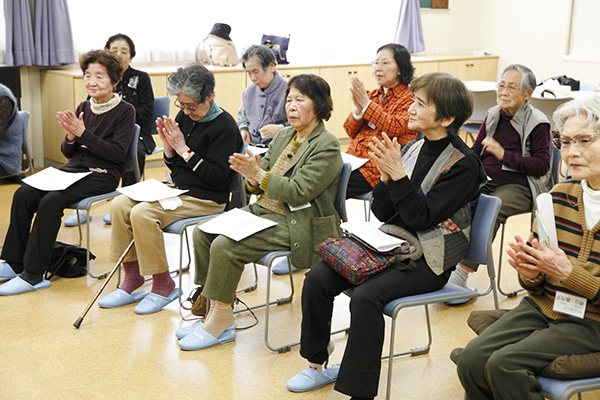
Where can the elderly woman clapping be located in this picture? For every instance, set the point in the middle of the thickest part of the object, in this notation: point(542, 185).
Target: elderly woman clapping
point(197, 145)
point(296, 183)
point(502, 363)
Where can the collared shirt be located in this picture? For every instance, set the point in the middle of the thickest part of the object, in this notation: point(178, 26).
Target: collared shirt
point(387, 114)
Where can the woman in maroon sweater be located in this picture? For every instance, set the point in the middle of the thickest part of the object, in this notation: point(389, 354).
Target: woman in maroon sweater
point(98, 136)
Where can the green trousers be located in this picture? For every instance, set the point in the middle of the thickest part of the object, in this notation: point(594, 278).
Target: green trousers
point(220, 260)
point(502, 362)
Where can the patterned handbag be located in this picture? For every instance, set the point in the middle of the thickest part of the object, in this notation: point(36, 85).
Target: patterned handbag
point(354, 259)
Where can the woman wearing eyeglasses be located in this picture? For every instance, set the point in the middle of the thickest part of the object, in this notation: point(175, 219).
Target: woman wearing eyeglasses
point(384, 109)
point(197, 146)
point(514, 145)
point(561, 314)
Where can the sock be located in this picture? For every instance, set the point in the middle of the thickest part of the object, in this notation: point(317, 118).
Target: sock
point(132, 279)
point(458, 277)
point(319, 367)
point(163, 284)
point(219, 318)
point(31, 278)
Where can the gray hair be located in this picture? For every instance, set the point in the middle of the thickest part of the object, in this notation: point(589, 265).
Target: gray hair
point(588, 105)
point(527, 77)
point(192, 80)
point(263, 54)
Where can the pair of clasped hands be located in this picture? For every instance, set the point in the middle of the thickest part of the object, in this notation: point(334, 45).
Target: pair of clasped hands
point(539, 258)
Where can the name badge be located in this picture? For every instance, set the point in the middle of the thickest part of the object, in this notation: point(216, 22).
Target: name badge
point(570, 304)
point(300, 207)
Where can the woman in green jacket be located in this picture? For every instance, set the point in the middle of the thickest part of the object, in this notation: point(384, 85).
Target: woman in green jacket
point(296, 183)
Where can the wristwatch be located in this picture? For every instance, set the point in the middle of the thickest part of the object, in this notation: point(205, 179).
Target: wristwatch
point(186, 155)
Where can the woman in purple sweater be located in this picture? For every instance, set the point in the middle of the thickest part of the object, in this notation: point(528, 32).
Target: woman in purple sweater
point(97, 138)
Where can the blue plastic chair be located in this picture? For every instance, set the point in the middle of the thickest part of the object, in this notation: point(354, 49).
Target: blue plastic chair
point(27, 160)
point(161, 108)
point(87, 203)
point(268, 259)
point(558, 389)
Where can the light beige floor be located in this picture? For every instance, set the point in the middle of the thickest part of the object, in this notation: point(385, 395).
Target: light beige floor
point(119, 355)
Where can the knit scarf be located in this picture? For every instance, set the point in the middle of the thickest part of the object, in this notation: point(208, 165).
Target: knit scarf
point(105, 107)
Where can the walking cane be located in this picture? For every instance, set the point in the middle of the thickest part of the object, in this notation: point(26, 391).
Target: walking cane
point(77, 323)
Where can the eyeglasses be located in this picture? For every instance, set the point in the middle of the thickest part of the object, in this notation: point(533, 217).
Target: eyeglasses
point(383, 62)
point(581, 141)
point(178, 105)
point(509, 88)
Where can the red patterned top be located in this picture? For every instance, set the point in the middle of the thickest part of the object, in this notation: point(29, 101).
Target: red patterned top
point(389, 115)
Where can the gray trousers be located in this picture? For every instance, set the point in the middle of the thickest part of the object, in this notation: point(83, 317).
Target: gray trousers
point(502, 362)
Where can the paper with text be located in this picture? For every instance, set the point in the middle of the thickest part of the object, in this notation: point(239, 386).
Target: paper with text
point(150, 190)
point(355, 162)
point(236, 224)
point(373, 236)
point(51, 179)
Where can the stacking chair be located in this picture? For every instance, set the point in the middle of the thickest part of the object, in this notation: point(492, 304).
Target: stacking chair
point(27, 161)
point(87, 203)
point(558, 389)
point(484, 97)
point(548, 105)
point(555, 167)
point(268, 260)
point(161, 108)
point(480, 251)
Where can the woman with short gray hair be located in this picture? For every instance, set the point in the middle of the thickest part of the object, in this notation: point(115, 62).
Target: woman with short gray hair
point(262, 112)
point(197, 145)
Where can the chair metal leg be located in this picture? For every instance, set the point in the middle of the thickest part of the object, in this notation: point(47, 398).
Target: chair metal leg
point(509, 294)
point(418, 351)
point(87, 250)
point(252, 287)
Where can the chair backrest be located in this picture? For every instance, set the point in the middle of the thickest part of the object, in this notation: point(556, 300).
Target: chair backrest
point(161, 107)
point(482, 230)
point(484, 97)
point(555, 164)
point(24, 116)
point(132, 155)
point(340, 199)
point(548, 106)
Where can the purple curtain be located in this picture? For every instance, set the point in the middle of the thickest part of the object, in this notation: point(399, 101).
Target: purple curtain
point(53, 35)
point(19, 34)
point(409, 31)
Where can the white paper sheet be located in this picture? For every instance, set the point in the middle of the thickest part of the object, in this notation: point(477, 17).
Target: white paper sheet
point(236, 224)
point(50, 179)
point(354, 161)
point(150, 190)
point(545, 212)
point(257, 150)
point(373, 236)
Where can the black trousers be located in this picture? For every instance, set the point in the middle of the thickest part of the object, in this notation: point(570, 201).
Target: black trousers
point(357, 185)
point(27, 246)
point(361, 364)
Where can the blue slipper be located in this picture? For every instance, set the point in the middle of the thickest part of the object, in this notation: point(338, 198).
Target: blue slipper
point(187, 330)
point(120, 298)
point(6, 271)
point(71, 220)
point(310, 379)
point(107, 219)
point(155, 302)
point(18, 286)
point(281, 268)
point(200, 339)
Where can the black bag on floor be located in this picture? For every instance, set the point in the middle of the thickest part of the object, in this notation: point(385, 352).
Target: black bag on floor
point(67, 261)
